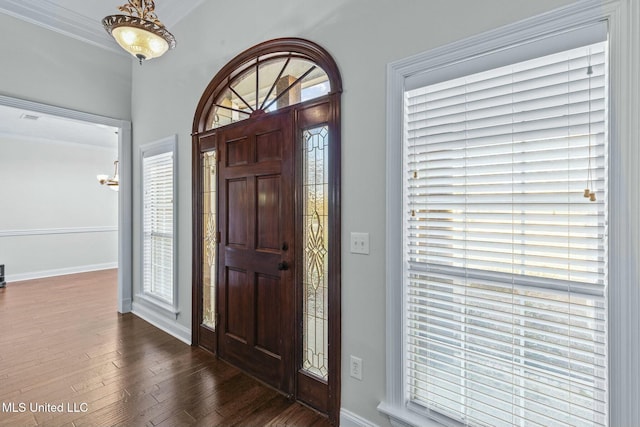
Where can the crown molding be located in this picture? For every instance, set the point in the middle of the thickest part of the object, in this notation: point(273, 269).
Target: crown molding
point(47, 14)
point(50, 15)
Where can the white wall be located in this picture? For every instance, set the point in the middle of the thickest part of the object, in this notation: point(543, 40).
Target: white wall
point(363, 36)
point(55, 218)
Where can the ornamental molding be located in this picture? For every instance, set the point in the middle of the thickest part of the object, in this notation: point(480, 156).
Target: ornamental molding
point(50, 15)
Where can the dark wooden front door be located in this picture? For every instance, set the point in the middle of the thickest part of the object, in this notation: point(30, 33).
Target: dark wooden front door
point(257, 247)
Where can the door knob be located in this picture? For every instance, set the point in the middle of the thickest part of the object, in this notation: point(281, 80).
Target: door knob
point(284, 265)
point(285, 246)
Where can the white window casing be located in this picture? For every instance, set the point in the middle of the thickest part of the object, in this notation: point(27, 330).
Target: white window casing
point(158, 236)
point(448, 306)
point(505, 260)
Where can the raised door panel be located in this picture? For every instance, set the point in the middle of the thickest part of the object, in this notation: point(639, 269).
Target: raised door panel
point(267, 320)
point(258, 312)
point(238, 292)
point(237, 213)
point(238, 151)
point(268, 146)
point(269, 235)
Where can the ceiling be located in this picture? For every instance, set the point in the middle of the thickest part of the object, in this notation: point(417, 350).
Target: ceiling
point(24, 124)
point(81, 19)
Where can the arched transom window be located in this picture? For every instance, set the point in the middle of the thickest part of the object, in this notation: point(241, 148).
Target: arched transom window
point(266, 84)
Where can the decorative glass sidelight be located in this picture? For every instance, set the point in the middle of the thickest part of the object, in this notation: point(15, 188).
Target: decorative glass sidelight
point(315, 187)
point(209, 239)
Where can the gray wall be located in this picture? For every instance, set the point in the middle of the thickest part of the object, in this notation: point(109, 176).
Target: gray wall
point(363, 36)
point(43, 66)
point(55, 217)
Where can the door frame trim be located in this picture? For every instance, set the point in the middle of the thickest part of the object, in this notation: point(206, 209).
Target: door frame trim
point(323, 59)
point(125, 209)
point(304, 47)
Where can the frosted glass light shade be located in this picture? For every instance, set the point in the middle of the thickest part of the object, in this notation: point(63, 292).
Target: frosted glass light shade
point(141, 38)
point(140, 42)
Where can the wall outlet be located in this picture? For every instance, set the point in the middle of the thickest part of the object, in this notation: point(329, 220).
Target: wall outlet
point(356, 368)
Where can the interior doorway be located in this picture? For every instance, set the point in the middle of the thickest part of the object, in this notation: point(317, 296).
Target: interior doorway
point(123, 128)
point(266, 194)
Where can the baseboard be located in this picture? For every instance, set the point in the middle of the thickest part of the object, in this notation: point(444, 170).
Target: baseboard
point(10, 278)
point(349, 419)
point(124, 306)
point(163, 323)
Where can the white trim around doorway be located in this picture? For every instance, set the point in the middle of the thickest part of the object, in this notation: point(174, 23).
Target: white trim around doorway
point(125, 188)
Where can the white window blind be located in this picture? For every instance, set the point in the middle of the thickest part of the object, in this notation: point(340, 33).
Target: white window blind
point(158, 226)
point(505, 260)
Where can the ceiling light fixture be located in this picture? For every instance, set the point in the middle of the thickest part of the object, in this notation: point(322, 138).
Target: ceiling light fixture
point(112, 182)
point(140, 33)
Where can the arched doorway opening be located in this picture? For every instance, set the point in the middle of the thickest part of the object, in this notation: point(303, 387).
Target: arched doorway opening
point(266, 219)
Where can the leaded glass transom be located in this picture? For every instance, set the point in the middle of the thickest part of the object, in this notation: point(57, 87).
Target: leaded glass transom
point(267, 84)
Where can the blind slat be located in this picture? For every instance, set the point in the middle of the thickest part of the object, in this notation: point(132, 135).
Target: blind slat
point(158, 225)
point(505, 260)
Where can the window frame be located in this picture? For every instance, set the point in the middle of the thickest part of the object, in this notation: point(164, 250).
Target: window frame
point(165, 145)
point(624, 234)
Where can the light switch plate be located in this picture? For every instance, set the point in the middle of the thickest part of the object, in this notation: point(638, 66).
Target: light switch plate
point(360, 243)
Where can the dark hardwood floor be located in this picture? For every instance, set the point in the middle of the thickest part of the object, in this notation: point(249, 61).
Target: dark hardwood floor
point(67, 358)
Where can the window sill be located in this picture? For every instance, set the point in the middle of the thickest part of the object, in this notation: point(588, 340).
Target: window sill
point(160, 307)
point(403, 417)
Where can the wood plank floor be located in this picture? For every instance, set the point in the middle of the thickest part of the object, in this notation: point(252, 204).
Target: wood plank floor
point(67, 358)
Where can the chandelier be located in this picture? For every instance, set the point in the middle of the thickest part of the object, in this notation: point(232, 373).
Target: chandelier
point(140, 32)
point(112, 182)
